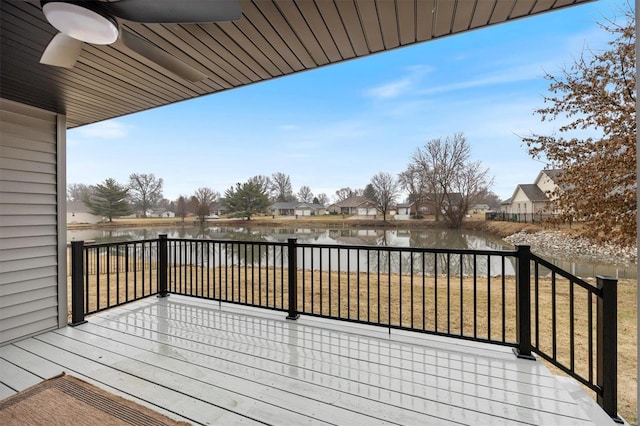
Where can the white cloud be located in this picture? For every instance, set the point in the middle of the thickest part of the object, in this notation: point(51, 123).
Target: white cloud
point(391, 90)
point(110, 129)
point(400, 86)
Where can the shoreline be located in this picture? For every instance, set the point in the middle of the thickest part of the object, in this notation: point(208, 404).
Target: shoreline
point(562, 240)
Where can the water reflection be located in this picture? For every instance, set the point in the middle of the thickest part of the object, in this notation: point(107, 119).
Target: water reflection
point(422, 238)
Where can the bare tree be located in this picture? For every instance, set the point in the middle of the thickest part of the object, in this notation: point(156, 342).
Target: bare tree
point(145, 191)
point(78, 192)
point(597, 92)
point(305, 195)
point(384, 189)
point(415, 182)
point(344, 193)
point(323, 199)
point(453, 180)
point(491, 199)
point(261, 181)
point(201, 202)
point(281, 189)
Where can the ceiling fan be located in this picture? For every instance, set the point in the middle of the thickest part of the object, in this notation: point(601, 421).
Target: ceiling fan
point(96, 22)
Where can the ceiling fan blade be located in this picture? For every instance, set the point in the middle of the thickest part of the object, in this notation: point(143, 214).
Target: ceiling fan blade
point(62, 51)
point(160, 57)
point(175, 11)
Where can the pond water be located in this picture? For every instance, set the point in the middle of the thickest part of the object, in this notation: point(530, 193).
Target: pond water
point(420, 238)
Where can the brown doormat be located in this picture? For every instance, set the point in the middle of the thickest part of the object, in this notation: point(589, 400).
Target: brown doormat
point(64, 400)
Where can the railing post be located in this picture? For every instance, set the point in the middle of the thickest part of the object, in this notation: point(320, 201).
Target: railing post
point(523, 302)
point(163, 265)
point(77, 287)
point(607, 346)
point(293, 279)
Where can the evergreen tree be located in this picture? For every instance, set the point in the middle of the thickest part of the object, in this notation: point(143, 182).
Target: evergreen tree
point(246, 199)
point(109, 199)
point(369, 192)
point(182, 207)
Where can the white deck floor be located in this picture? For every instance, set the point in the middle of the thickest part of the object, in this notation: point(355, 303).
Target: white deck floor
point(204, 363)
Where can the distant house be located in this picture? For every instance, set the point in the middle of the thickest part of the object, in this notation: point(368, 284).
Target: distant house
point(333, 208)
point(534, 199)
point(296, 208)
point(403, 211)
point(219, 208)
point(283, 208)
point(160, 213)
point(479, 208)
point(505, 206)
point(77, 212)
point(357, 205)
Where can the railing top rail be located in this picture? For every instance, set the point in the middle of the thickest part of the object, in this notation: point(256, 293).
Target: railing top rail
point(432, 250)
point(589, 287)
point(481, 252)
point(119, 243)
point(255, 243)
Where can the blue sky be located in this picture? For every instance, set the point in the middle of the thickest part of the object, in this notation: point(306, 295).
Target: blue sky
point(339, 125)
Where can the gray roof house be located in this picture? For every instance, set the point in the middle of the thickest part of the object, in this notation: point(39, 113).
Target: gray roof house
point(78, 212)
point(270, 369)
point(534, 198)
point(357, 204)
point(293, 208)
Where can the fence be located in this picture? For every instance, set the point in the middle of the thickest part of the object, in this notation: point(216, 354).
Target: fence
point(521, 217)
point(506, 297)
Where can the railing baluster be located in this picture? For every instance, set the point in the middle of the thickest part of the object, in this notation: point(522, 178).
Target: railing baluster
point(590, 334)
point(368, 286)
point(461, 295)
point(358, 282)
point(411, 283)
point(537, 303)
point(435, 292)
point(399, 289)
point(424, 302)
point(475, 296)
point(571, 329)
point(448, 293)
point(554, 323)
point(348, 284)
point(504, 301)
point(379, 288)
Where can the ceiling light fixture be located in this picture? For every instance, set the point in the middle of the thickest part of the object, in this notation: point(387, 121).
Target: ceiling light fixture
point(84, 23)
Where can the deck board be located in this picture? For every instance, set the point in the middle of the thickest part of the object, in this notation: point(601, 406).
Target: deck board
point(16, 377)
point(208, 363)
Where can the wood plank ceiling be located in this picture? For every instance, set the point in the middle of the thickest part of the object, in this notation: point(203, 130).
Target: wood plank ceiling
point(273, 38)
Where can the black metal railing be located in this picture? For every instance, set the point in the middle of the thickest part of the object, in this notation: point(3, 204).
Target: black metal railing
point(506, 297)
point(112, 274)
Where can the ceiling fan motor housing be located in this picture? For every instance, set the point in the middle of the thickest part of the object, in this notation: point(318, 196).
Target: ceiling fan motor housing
point(82, 20)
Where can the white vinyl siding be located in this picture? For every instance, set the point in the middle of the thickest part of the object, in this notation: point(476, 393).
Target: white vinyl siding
point(29, 225)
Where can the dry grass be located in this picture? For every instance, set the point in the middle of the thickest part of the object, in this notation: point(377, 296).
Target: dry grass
point(457, 306)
